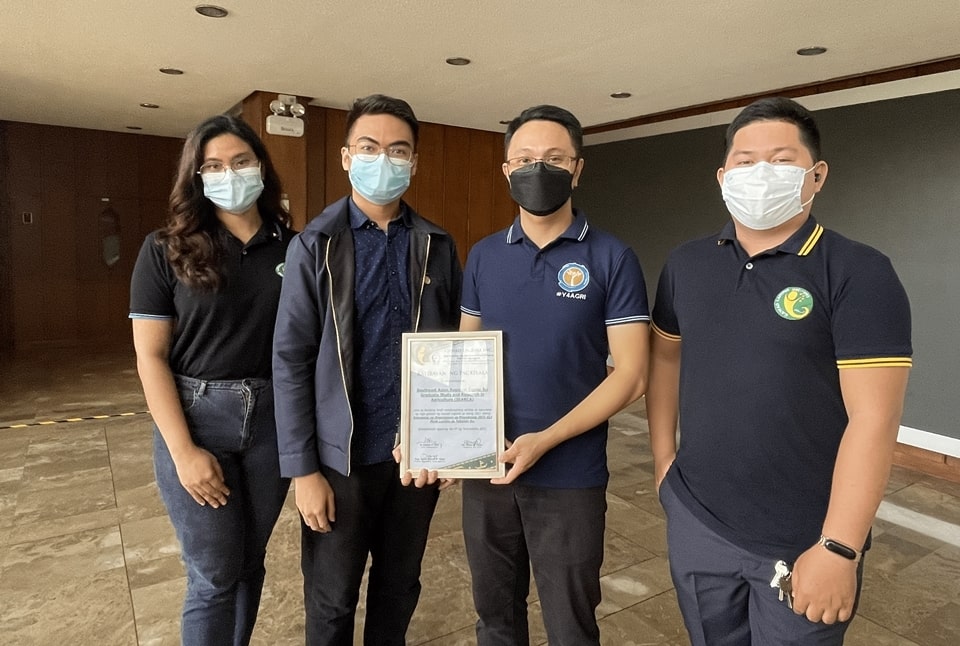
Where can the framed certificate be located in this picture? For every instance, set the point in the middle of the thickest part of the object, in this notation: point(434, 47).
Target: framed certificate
point(451, 406)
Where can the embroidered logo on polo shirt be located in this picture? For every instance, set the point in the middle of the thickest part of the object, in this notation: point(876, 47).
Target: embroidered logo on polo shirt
point(573, 278)
point(793, 303)
point(279, 269)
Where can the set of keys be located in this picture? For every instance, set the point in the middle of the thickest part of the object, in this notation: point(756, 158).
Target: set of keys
point(781, 580)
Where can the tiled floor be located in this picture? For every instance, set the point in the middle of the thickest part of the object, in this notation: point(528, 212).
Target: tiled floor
point(87, 555)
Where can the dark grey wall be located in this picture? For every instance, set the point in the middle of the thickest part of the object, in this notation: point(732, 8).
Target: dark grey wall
point(894, 184)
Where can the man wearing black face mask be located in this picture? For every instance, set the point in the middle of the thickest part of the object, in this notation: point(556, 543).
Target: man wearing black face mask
point(564, 295)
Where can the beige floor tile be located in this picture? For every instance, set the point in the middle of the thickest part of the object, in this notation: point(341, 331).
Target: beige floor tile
point(940, 628)
point(863, 632)
point(923, 498)
point(41, 529)
point(68, 494)
point(72, 448)
point(89, 608)
point(78, 497)
point(140, 503)
point(620, 553)
point(157, 610)
point(633, 585)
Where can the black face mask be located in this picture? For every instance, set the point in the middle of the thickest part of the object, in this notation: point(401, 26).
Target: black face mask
point(541, 189)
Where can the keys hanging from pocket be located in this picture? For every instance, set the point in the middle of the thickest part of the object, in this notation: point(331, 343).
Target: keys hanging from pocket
point(781, 581)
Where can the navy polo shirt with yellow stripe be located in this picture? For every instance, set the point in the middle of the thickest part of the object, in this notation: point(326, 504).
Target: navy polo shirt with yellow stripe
point(763, 339)
point(554, 306)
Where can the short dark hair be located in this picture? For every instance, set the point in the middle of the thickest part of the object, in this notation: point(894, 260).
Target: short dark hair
point(383, 104)
point(778, 108)
point(547, 113)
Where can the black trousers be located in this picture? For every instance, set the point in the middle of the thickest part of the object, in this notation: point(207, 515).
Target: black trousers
point(376, 516)
point(508, 528)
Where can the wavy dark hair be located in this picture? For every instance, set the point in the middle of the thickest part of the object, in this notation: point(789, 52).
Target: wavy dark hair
point(193, 234)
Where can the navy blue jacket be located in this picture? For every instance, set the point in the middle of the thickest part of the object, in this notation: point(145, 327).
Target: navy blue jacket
point(313, 348)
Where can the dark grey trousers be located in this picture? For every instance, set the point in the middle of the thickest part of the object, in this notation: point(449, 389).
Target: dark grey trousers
point(724, 591)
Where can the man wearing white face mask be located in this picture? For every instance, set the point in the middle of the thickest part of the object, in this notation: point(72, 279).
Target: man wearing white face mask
point(364, 271)
point(788, 389)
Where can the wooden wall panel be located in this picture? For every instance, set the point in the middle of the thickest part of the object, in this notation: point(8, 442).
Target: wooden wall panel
point(23, 170)
point(60, 288)
point(482, 161)
point(430, 172)
point(60, 163)
point(336, 183)
point(157, 164)
point(456, 185)
point(317, 162)
point(25, 270)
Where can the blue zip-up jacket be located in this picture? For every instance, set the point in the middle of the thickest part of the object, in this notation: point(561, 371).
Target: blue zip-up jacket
point(313, 342)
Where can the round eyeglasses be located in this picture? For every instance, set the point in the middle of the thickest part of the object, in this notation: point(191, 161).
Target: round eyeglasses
point(215, 170)
point(398, 155)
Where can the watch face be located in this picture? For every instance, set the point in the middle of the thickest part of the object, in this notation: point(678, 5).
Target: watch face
point(839, 548)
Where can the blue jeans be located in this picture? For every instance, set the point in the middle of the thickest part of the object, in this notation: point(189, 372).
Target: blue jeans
point(223, 549)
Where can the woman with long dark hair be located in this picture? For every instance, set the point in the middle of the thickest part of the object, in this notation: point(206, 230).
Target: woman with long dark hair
point(203, 300)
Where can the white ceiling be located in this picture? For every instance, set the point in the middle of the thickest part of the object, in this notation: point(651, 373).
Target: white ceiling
point(90, 63)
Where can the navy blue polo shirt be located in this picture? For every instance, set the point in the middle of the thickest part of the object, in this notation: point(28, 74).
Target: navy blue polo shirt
point(762, 341)
point(382, 309)
point(554, 306)
point(223, 334)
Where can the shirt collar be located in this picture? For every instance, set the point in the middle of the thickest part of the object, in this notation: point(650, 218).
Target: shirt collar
point(801, 243)
point(359, 219)
point(577, 230)
point(269, 229)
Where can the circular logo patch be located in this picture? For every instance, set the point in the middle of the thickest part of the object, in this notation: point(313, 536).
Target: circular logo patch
point(279, 269)
point(573, 277)
point(793, 303)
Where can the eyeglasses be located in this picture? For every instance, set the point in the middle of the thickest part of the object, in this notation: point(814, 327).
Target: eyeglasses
point(218, 170)
point(560, 161)
point(367, 151)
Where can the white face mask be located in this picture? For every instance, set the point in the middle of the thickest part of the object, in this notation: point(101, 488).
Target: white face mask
point(763, 196)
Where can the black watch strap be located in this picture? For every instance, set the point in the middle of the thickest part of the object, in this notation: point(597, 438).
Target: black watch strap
point(840, 549)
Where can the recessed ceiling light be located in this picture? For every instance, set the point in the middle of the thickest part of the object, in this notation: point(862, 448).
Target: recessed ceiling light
point(621, 95)
point(211, 11)
point(811, 51)
point(134, 128)
point(458, 61)
point(149, 105)
point(171, 70)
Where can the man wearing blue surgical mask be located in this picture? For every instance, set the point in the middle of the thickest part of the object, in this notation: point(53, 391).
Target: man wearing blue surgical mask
point(788, 392)
point(362, 273)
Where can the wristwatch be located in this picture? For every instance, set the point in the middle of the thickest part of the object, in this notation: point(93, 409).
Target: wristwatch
point(839, 548)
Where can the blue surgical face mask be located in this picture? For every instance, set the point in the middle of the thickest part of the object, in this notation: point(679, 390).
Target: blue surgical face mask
point(380, 181)
point(236, 191)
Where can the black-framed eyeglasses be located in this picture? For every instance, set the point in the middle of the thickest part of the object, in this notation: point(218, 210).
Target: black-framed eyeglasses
point(560, 161)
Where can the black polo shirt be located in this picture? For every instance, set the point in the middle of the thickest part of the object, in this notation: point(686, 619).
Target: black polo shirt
point(225, 334)
point(763, 340)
